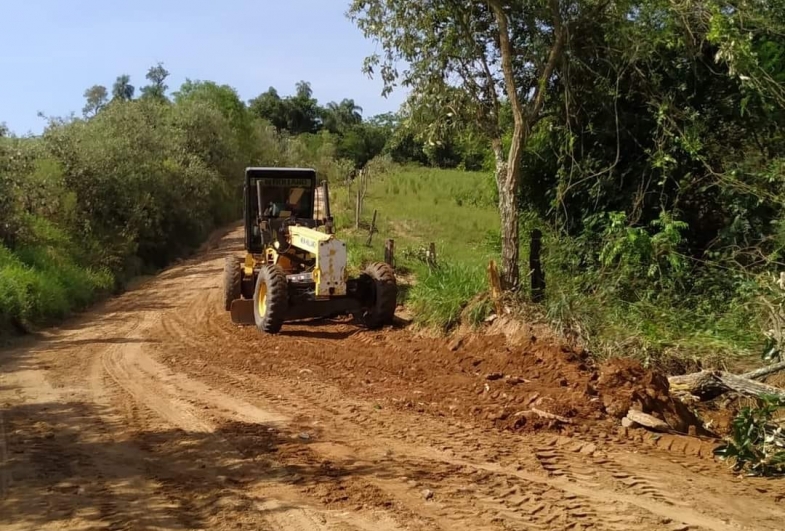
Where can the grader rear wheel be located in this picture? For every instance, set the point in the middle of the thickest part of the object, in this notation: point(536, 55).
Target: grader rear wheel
point(381, 310)
point(270, 299)
point(232, 280)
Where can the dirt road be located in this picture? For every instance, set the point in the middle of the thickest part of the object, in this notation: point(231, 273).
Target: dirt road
point(153, 412)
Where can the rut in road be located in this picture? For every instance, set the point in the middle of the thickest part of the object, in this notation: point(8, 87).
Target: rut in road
point(152, 411)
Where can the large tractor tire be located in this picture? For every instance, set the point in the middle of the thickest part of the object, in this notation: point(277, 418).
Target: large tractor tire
point(232, 278)
point(270, 299)
point(381, 309)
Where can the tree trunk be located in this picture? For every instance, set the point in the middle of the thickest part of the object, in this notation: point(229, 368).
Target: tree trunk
point(508, 214)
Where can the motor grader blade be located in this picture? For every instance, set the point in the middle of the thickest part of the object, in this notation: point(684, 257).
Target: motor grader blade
point(242, 312)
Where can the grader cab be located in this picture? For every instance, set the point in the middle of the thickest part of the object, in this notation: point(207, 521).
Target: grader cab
point(294, 266)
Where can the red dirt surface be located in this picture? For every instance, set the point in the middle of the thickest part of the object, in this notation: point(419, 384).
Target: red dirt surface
point(483, 378)
point(153, 411)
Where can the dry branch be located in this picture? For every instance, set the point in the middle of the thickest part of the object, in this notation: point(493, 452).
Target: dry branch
point(707, 385)
point(550, 416)
point(764, 371)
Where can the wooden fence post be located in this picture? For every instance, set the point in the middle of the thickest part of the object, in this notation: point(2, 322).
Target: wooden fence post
point(389, 252)
point(430, 255)
point(535, 267)
point(362, 189)
point(496, 287)
point(372, 230)
point(358, 205)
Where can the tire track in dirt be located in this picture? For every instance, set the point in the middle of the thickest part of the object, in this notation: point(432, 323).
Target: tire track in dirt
point(217, 426)
point(5, 480)
point(557, 458)
point(596, 467)
point(550, 498)
point(573, 466)
point(164, 392)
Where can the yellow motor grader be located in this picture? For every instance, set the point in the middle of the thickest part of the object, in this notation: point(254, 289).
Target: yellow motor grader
point(294, 267)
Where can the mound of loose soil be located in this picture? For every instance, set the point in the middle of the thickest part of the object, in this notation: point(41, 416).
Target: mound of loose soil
point(519, 384)
point(624, 384)
point(531, 383)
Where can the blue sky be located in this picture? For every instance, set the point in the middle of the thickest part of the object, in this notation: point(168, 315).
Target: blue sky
point(52, 50)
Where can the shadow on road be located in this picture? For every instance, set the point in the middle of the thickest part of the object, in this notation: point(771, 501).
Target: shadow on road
point(65, 464)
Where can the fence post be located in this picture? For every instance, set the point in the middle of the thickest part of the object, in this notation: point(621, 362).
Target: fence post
point(430, 255)
point(535, 267)
point(389, 252)
point(372, 230)
point(358, 206)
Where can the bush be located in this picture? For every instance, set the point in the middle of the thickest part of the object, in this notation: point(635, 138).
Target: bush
point(43, 280)
point(757, 443)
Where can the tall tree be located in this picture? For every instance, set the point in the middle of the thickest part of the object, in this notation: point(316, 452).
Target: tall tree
point(269, 106)
point(122, 89)
point(489, 50)
point(225, 99)
point(95, 98)
point(302, 110)
point(156, 90)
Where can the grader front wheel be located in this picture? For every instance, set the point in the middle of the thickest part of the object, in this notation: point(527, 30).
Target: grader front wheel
point(270, 299)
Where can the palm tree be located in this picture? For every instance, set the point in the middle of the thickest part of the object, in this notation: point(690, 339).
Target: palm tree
point(340, 116)
point(122, 88)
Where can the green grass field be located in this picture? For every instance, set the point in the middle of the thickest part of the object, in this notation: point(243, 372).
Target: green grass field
point(418, 206)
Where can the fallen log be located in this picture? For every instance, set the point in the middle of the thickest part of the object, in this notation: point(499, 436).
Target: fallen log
point(707, 385)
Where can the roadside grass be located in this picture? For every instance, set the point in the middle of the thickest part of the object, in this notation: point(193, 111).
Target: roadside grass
point(456, 211)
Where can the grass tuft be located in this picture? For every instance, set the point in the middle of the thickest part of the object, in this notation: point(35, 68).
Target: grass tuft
point(441, 297)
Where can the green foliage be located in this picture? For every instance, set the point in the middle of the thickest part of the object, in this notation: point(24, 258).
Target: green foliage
point(95, 98)
point(45, 278)
point(156, 90)
point(757, 443)
point(448, 294)
point(338, 117)
point(299, 113)
point(122, 90)
point(350, 138)
point(630, 254)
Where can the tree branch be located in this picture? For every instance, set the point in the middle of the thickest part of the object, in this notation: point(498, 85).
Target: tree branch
point(553, 58)
point(520, 128)
point(490, 87)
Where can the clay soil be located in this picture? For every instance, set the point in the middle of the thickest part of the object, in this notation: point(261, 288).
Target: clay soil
point(153, 411)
